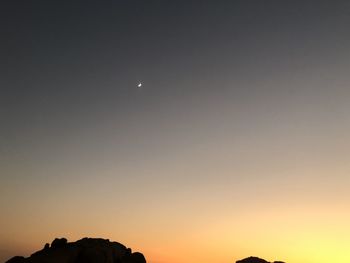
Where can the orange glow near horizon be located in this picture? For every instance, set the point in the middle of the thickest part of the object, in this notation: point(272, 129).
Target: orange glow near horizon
point(283, 217)
point(293, 232)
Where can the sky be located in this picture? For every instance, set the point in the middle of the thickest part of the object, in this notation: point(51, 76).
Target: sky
point(237, 144)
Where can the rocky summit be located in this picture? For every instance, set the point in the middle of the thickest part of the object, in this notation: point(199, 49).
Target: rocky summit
point(86, 250)
point(255, 260)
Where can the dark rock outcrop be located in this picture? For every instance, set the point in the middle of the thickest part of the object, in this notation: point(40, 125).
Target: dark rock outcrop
point(59, 242)
point(16, 259)
point(256, 260)
point(86, 250)
point(136, 257)
point(252, 260)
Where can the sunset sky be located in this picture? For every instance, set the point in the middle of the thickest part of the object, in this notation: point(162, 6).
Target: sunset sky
point(237, 144)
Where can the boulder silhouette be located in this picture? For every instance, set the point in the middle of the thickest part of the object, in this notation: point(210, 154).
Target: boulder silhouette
point(86, 250)
point(58, 242)
point(16, 259)
point(252, 260)
point(136, 257)
point(256, 260)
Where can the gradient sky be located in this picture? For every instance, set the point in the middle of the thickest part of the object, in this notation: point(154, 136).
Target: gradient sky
point(237, 144)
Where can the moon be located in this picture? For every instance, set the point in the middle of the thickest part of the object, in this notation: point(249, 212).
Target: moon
point(139, 85)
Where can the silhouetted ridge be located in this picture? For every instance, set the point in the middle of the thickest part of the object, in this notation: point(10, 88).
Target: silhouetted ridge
point(86, 250)
point(256, 260)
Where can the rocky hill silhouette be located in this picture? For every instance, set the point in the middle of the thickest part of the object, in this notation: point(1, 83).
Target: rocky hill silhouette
point(256, 260)
point(93, 250)
point(86, 250)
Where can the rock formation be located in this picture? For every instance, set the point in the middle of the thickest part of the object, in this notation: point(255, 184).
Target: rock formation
point(86, 250)
point(255, 260)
